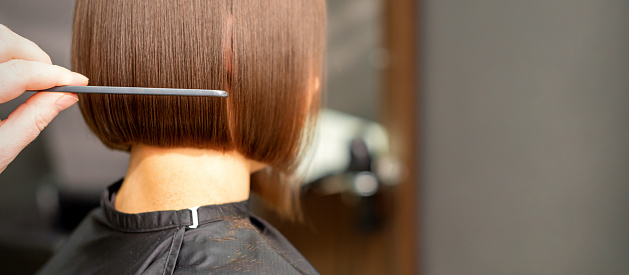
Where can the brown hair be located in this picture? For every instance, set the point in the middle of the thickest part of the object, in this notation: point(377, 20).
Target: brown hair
point(267, 55)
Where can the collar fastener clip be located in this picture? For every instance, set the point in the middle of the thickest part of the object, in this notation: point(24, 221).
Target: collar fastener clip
point(195, 217)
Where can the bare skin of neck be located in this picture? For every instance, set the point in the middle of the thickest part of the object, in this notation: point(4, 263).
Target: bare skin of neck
point(178, 178)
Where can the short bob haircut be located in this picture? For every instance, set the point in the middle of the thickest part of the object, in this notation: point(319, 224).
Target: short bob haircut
point(266, 54)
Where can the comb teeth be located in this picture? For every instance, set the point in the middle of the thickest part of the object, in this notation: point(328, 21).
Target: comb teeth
point(135, 91)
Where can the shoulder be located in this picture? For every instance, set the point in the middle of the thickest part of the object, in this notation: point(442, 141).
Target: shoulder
point(279, 242)
point(96, 247)
point(245, 245)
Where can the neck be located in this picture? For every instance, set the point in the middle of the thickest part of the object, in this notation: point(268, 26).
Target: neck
point(179, 178)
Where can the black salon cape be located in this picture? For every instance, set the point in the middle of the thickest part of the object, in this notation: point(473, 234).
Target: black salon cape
point(228, 240)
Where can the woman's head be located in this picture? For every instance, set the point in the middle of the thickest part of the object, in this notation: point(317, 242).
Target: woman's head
point(266, 54)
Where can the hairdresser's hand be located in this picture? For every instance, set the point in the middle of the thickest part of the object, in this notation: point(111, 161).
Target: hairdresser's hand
point(24, 66)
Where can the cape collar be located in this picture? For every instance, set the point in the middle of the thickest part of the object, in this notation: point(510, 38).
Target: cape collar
point(160, 220)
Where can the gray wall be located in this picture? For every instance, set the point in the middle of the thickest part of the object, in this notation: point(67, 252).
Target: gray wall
point(525, 137)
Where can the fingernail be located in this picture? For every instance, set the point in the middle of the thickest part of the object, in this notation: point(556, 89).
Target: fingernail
point(66, 101)
point(80, 77)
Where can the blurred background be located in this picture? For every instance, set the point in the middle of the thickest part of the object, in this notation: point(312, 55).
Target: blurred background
point(476, 137)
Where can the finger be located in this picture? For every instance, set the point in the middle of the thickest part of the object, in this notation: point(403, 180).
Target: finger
point(27, 121)
point(18, 76)
point(13, 46)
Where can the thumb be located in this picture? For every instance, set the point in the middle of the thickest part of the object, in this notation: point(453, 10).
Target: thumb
point(25, 123)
